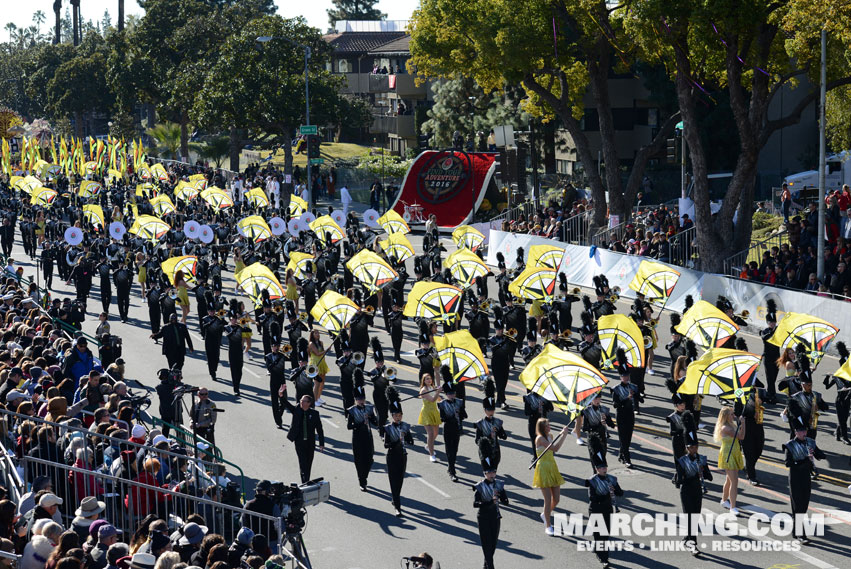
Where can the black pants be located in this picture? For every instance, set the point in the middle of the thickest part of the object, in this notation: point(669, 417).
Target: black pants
point(771, 379)
point(48, 277)
point(752, 446)
point(488, 523)
point(397, 464)
point(214, 355)
point(123, 298)
point(626, 424)
point(175, 360)
point(235, 361)
point(305, 451)
point(843, 405)
point(208, 433)
point(105, 298)
point(602, 554)
point(691, 498)
point(500, 376)
point(363, 452)
point(451, 439)
point(277, 405)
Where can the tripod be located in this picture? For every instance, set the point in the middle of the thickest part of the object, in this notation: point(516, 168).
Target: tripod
point(297, 549)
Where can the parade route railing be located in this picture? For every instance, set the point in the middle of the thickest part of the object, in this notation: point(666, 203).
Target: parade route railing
point(735, 264)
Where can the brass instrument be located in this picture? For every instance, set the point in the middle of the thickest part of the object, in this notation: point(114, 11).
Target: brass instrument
point(566, 334)
point(303, 316)
point(278, 308)
point(390, 373)
point(744, 315)
point(616, 291)
point(648, 342)
point(222, 313)
point(614, 298)
point(654, 322)
point(814, 413)
point(759, 409)
point(358, 358)
point(245, 320)
point(511, 334)
point(485, 305)
point(286, 349)
point(311, 371)
point(368, 309)
point(576, 290)
point(172, 294)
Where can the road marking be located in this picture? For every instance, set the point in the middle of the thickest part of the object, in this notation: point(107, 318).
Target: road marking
point(196, 336)
point(812, 560)
point(430, 485)
point(248, 369)
point(330, 422)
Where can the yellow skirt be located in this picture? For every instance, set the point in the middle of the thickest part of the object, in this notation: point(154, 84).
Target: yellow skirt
point(246, 335)
point(182, 296)
point(737, 460)
point(292, 292)
point(238, 266)
point(143, 275)
point(429, 414)
point(546, 471)
point(319, 362)
point(536, 310)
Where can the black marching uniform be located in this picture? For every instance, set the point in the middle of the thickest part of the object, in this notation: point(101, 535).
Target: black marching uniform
point(488, 495)
point(799, 463)
point(623, 396)
point(212, 330)
point(361, 419)
point(236, 358)
point(692, 469)
point(305, 428)
point(843, 396)
point(490, 427)
point(602, 493)
point(754, 441)
point(396, 436)
point(452, 413)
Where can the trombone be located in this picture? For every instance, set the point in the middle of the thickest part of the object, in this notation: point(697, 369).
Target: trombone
point(278, 308)
point(745, 315)
point(286, 349)
point(303, 316)
point(368, 309)
point(358, 358)
point(511, 334)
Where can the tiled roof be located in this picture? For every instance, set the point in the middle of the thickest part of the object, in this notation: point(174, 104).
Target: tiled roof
point(361, 42)
point(394, 47)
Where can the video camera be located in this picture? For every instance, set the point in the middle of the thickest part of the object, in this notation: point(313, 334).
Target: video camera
point(294, 499)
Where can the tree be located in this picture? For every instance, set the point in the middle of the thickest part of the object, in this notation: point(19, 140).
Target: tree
point(751, 49)
point(453, 110)
point(10, 27)
point(839, 119)
point(167, 137)
point(499, 41)
point(215, 149)
point(105, 22)
point(38, 20)
point(354, 10)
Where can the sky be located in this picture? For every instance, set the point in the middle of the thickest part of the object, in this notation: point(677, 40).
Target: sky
point(20, 13)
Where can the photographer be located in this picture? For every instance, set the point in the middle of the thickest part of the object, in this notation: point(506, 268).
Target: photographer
point(170, 411)
point(421, 561)
point(110, 349)
point(262, 503)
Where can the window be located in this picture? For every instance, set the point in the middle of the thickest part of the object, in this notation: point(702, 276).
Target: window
point(563, 166)
point(343, 66)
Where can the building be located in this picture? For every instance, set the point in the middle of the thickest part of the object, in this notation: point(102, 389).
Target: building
point(373, 57)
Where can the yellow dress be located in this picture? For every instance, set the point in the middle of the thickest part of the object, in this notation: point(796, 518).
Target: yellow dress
point(737, 461)
point(546, 471)
point(537, 309)
point(238, 266)
point(143, 274)
point(319, 362)
point(292, 292)
point(429, 414)
point(182, 296)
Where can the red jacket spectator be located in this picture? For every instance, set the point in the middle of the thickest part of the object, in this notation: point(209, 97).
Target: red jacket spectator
point(84, 484)
point(143, 501)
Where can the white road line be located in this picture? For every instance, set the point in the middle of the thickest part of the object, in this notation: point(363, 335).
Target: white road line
point(248, 369)
point(435, 488)
point(330, 422)
point(196, 336)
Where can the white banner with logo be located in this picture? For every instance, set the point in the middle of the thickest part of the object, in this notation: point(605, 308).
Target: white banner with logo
point(581, 264)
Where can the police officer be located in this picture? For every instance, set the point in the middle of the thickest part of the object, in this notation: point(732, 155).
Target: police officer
point(203, 416)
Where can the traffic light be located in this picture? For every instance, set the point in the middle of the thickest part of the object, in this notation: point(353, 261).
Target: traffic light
point(313, 146)
point(672, 148)
point(423, 140)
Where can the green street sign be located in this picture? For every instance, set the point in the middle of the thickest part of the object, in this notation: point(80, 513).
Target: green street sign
point(309, 129)
point(317, 160)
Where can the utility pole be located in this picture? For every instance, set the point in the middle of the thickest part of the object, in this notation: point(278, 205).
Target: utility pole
point(822, 160)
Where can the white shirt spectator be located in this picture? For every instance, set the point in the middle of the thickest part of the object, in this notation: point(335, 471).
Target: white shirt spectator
point(273, 190)
point(346, 198)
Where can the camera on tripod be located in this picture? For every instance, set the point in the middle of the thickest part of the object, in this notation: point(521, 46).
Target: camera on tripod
point(295, 498)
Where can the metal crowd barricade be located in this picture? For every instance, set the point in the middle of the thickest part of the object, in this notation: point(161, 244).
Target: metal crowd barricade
point(683, 248)
point(735, 264)
point(201, 465)
point(129, 501)
point(15, 559)
point(575, 228)
point(9, 476)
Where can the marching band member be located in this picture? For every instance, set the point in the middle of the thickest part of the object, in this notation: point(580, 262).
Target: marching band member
point(233, 333)
point(603, 490)
point(624, 396)
point(452, 414)
point(692, 470)
point(397, 434)
point(361, 417)
point(489, 493)
point(801, 454)
point(501, 350)
point(490, 427)
point(379, 385)
point(770, 352)
point(843, 396)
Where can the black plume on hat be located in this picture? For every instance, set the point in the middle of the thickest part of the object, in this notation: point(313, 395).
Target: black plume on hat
point(344, 340)
point(795, 412)
point(359, 381)
point(446, 374)
point(675, 321)
point(741, 344)
point(689, 303)
point(690, 428)
point(291, 313)
point(487, 454)
point(377, 354)
point(691, 350)
point(843, 352)
point(597, 282)
point(586, 302)
point(597, 450)
point(489, 401)
point(562, 282)
point(302, 350)
point(424, 332)
point(623, 362)
point(394, 404)
point(770, 310)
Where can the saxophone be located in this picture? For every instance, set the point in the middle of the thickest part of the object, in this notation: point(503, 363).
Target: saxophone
point(814, 413)
point(759, 409)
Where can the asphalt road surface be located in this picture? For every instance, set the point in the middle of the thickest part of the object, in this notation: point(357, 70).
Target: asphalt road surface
point(359, 530)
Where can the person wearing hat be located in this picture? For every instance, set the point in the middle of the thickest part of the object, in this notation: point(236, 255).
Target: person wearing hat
point(212, 330)
point(47, 508)
point(810, 403)
point(488, 494)
point(590, 348)
point(236, 359)
point(190, 540)
point(603, 490)
point(347, 369)
point(770, 352)
point(752, 445)
point(603, 306)
point(677, 346)
point(501, 352)
point(675, 422)
point(479, 324)
point(624, 396)
point(379, 384)
point(514, 316)
point(531, 349)
point(843, 395)
point(79, 362)
point(692, 470)
point(490, 427)
point(800, 455)
point(361, 417)
point(36, 553)
point(203, 415)
point(143, 561)
point(276, 364)
point(593, 421)
point(294, 330)
point(394, 320)
point(152, 298)
point(262, 503)
point(89, 511)
point(452, 413)
point(397, 434)
point(176, 340)
point(305, 427)
point(240, 546)
point(106, 536)
point(270, 326)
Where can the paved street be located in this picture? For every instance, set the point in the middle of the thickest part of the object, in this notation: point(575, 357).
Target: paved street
point(357, 530)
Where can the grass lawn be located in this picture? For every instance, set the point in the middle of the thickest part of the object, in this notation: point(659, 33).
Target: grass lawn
point(764, 226)
point(330, 151)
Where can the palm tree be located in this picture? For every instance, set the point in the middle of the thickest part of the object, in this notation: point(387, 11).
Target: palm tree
point(215, 149)
point(10, 27)
point(167, 137)
point(38, 20)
